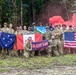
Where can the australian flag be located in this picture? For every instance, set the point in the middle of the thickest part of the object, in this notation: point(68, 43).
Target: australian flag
point(7, 40)
point(70, 39)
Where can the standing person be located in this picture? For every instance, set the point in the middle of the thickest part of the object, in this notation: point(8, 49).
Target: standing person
point(25, 30)
point(70, 28)
point(17, 31)
point(56, 33)
point(47, 35)
point(5, 28)
point(20, 30)
point(64, 29)
point(59, 27)
point(28, 52)
point(11, 31)
point(29, 31)
point(33, 25)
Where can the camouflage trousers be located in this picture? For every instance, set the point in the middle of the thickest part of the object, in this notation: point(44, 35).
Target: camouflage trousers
point(52, 51)
point(59, 46)
point(28, 54)
point(55, 48)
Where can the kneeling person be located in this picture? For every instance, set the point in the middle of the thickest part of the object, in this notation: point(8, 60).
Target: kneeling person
point(28, 52)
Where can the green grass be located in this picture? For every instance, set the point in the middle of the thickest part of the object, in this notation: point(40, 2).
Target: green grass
point(4, 70)
point(38, 62)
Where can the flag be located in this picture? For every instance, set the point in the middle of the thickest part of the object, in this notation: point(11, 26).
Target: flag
point(21, 39)
point(70, 39)
point(39, 45)
point(7, 40)
point(41, 29)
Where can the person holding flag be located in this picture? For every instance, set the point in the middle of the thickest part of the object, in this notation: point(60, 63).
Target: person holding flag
point(6, 30)
point(28, 52)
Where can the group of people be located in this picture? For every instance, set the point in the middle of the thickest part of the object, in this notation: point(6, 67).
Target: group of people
point(55, 40)
point(22, 31)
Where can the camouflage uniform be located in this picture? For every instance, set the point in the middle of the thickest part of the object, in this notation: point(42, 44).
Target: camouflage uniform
point(25, 32)
point(11, 31)
point(30, 32)
point(17, 32)
point(27, 51)
point(57, 34)
point(5, 51)
point(74, 30)
point(5, 30)
point(62, 40)
point(52, 48)
point(47, 35)
point(70, 30)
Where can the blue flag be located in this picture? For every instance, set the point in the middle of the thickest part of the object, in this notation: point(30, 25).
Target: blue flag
point(7, 40)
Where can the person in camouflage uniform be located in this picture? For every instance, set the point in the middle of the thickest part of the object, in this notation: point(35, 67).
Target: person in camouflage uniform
point(24, 30)
point(47, 35)
point(57, 34)
point(5, 29)
point(29, 31)
point(64, 29)
point(17, 31)
point(28, 52)
point(20, 30)
point(11, 31)
point(52, 48)
point(70, 29)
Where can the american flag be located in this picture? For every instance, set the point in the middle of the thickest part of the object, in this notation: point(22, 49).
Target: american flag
point(70, 39)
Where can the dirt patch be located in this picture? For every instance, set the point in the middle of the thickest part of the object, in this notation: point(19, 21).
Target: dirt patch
point(54, 70)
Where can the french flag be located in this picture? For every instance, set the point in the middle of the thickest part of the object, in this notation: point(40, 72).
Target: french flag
point(21, 39)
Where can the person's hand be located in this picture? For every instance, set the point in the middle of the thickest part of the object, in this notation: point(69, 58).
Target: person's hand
point(30, 50)
point(49, 46)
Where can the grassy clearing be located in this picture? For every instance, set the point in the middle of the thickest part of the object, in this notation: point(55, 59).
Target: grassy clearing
point(38, 62)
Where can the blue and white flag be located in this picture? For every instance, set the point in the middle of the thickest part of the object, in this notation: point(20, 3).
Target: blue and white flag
point(7, 40)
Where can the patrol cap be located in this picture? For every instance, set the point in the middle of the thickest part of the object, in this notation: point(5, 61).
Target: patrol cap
point(5, 23)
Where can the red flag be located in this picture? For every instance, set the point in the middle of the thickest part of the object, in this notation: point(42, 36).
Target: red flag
point(21, 39)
